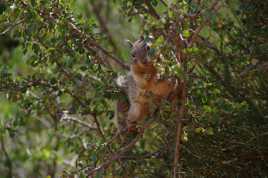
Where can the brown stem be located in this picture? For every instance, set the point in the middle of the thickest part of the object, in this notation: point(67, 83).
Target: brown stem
point(9, 161)
point(98, 126)
point(82, 123)
point(164, 3)
point(180, 111)
point(151, 10)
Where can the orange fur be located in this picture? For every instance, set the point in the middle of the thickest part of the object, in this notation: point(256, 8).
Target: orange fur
point(145, 78)
point(144, 88)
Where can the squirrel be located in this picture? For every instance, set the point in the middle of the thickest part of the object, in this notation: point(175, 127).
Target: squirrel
point(143, 86)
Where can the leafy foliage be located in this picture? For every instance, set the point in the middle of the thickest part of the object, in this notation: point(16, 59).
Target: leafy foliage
point(59, 61)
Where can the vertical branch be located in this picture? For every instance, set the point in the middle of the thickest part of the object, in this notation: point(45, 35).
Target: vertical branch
point(180, 111)
point(57, 145)
point(9, 162)
point(180, 57)
point(55, 117)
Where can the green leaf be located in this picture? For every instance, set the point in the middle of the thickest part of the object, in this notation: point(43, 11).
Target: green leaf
point(186, 33)
point(210, 131)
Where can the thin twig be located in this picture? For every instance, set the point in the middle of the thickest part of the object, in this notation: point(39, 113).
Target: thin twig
point(164, 3)
point(214, 7)
point(98, 126)
point(151, 10)
point(114, 157)
point(12, 26)
point(73, 119)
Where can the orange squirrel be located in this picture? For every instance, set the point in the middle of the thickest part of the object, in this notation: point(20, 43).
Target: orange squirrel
point(144, 85)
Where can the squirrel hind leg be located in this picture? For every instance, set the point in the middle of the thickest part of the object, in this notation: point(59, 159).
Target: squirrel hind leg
point(122, 107)
point(132, 116)
point(136, 113)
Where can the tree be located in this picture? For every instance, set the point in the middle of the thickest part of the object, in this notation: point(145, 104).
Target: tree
point(60, 60)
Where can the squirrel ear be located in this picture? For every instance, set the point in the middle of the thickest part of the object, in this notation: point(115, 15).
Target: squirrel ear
point(129, 43)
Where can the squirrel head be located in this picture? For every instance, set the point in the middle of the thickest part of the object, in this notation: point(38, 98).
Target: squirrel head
point(139, 51)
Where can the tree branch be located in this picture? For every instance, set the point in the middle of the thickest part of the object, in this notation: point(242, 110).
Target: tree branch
point(214, 7)
point(8, 159)
point(116, 156)
point(96, 8)
point(91, 44)
point(151, 10)
point(67, 117)
point(88, 42)
point(180, 112)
